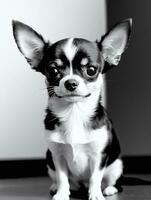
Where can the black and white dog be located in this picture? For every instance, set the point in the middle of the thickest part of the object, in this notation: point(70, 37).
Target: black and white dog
point(80, 136)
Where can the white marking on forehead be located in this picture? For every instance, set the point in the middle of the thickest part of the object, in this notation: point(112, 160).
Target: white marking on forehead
point(70, 49)
point(84, 61)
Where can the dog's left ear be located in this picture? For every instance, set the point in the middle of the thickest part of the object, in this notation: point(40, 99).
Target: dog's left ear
point(114, 43)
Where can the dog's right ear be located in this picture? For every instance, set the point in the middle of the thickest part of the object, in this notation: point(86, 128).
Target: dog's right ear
point(29, 42)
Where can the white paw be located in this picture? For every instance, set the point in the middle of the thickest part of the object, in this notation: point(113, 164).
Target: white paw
point(60, 196)
point(96, 195)
point(110, 190)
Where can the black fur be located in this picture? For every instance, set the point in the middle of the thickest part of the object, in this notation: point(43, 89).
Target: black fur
point(100, 118)
point(50, 120)
point(112, 149)
point(49, 160)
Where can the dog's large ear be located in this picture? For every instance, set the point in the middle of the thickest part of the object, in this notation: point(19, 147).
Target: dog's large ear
point(29, 42)
point(114, 43)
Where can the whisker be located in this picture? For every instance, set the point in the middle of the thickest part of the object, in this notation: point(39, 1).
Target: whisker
point(46, 88)
point(50, 87)
point(50, 92)
point(55, 118)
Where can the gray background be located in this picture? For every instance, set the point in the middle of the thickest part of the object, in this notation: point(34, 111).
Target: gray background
point(23, 98)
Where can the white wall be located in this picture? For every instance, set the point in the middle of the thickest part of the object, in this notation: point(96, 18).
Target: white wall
point(22, 94)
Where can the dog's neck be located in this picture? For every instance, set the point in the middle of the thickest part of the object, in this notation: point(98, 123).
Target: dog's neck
point(75, 117)
point(84, 109)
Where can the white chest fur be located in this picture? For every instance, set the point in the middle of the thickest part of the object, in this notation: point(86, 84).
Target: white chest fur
point(73, 139)
point(78, 156)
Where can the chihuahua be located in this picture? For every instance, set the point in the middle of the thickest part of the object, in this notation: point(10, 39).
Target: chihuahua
point(83, 147)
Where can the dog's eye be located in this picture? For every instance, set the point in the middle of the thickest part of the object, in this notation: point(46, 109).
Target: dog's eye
point(91, 71)
point(54, 72)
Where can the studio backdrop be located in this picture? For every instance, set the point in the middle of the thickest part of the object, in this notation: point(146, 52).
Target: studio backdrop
point(23, 94)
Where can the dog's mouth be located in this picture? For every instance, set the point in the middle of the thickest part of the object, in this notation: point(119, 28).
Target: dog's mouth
point(74, 96)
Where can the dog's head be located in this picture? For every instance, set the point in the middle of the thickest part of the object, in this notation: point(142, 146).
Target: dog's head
point(73, 67)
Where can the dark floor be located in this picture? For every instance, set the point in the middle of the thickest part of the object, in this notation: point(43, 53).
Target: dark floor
point(37, 189)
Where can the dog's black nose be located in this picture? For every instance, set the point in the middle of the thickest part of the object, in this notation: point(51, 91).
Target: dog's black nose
point(71, 84)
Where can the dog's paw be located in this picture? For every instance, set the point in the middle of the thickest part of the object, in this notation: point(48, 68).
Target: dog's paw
point(96, 195)
point(60, 196)
point(110, 190)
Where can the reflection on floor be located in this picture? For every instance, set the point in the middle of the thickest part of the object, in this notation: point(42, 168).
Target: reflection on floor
point(37, 189)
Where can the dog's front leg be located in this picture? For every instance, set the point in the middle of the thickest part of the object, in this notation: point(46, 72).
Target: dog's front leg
point(63, 191)
point(95, 180)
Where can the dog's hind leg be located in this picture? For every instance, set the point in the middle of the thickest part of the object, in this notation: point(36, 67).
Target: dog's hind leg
point(111, 176)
